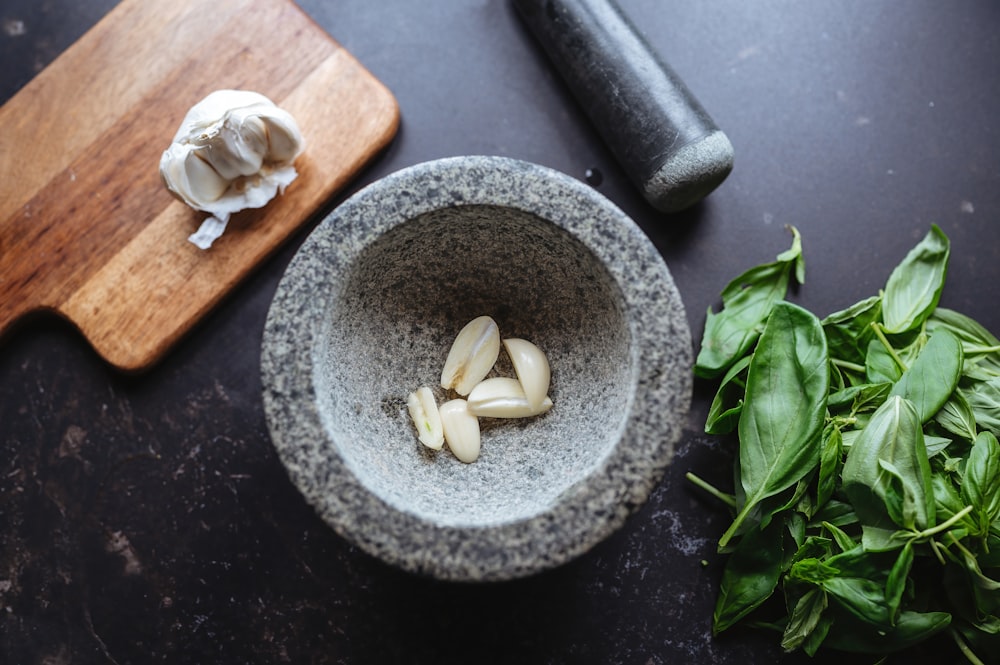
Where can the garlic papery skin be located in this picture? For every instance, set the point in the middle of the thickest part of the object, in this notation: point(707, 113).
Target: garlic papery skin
point(234, 150)
point(532, 369)
point(503, 397)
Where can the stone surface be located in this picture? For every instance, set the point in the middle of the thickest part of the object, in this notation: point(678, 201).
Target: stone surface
point(367, 312)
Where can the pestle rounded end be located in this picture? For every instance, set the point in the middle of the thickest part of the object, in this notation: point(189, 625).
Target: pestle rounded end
point(691, 173)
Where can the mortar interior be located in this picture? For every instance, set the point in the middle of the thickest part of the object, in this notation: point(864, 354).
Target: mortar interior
point(393, 319)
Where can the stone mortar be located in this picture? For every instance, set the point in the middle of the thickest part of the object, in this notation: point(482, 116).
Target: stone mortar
point(367, 312)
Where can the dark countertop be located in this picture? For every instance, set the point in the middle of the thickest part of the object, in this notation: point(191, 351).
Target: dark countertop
point(147, 519)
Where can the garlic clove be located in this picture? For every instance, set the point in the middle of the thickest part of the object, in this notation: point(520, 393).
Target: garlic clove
point(426, 417)
point(532, 369)
point(461, 430)
point(283, 139)
point(472, 355)
point(233, 151)
point(203, 182)
point(204, 116)
point(503, 397)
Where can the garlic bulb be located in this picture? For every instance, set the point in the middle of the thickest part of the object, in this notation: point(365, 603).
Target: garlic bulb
point(234, 150)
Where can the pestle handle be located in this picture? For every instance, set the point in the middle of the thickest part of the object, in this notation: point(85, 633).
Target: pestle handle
point(666, 142)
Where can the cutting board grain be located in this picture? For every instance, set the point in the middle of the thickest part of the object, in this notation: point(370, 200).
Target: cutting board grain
point(87, 229)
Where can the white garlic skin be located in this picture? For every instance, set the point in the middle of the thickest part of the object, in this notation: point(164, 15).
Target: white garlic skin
point(234, 150)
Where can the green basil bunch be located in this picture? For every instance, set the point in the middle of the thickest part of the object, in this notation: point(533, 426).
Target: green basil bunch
point(867, 499)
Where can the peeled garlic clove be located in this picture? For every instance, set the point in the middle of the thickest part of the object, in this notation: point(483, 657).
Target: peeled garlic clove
point(426, 417)
point(532, 368)
point(234, 150)
point(461, 430)
point(472, 355)
point(503, 397)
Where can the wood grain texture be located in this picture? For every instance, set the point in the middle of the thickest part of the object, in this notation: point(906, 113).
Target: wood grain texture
point(87, 229)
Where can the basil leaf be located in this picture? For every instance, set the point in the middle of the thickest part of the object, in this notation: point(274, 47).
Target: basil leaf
point(911, 628)
point(798, 500)
point(830, 463)
point(981, 482)
point(989, 624)
point(914, 286)
point(844, 541)
point(978, 369)
point(812, 571)
point(880, 366)
point(857, 562)
point(794, 256)
point(896, 584)
point(746, 303)
point(899, 498)
point(782, 420)
point(935, 445)
point(837, 513)
point(933, 376)
point(947, 501)
point(849, 331)
point(966, 328)
point(893, 435)
point(861, 398)
point(751, 575)
point(852, 435)
point(875, 539)
point(804, 619)
point(978, 344)
point(980, 581)
point(796, 524)
point(814, 547)
point(815, 639)
point(984, 400)
point(957, 417)
point(864, 598)
point(724, 414)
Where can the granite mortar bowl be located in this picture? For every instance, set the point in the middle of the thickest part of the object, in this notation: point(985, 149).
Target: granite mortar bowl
point(367, 312)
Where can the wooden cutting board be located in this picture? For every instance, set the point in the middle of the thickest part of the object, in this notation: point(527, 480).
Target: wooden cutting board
point(87, 229)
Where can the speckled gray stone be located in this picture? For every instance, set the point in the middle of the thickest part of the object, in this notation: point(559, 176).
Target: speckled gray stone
point(367, 312)
point(660, 133)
